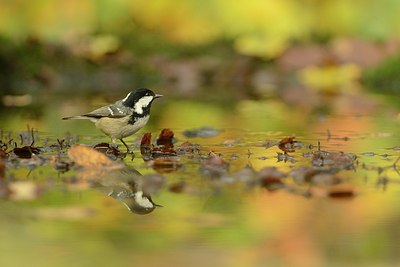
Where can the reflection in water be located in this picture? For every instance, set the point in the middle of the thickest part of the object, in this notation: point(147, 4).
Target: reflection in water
point(131, 188)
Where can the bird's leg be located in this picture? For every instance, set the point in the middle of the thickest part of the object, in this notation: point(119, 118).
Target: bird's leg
point(127, 148)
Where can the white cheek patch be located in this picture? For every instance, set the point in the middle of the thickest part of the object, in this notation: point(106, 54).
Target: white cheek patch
point(143, 201)
point(143, 102)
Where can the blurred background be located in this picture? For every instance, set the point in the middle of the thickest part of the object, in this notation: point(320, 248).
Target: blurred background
point(293, 50)
point(324, 70)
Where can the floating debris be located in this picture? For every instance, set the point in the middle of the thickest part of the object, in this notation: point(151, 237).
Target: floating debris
point(188, 148)
point(288, 144)
point(368, 154)
point(201, 132)
point(285, 157)
point(333, 159)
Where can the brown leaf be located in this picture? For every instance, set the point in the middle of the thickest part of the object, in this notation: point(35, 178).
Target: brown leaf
point(108, 150)
point(146, 146)
point(150, 151)
point(287, 144)
point(89, 157)
point(25, 152)
point(165, 138)
point(146, 140)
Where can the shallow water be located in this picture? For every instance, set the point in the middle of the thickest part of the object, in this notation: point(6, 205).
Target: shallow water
point(209, 219)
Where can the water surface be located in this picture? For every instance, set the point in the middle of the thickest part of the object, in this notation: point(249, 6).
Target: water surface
point(57, 218)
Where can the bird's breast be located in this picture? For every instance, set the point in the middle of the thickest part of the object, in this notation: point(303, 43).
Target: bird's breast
point(118, 128)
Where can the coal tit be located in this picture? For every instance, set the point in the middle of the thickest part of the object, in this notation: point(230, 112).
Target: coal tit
point(123, 118)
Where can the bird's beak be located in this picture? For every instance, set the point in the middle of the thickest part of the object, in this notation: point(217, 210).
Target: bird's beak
point(158, 96)
point(158, 206)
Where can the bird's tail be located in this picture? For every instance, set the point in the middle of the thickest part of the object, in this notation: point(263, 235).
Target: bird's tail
point(76, 118)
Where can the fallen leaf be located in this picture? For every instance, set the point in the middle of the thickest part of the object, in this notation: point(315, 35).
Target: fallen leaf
point(165, 138)
point(90, 158)
point(288, 144)
point(25, 152)
point(108, 150)
point(146, 146)
point(150, 151)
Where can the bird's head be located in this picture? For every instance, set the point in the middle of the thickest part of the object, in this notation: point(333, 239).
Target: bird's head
point(140, 203)
point(140, 100)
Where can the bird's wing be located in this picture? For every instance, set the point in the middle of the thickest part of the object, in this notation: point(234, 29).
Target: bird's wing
point(112, 111)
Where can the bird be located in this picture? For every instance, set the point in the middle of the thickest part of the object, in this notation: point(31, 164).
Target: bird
point(123, 118)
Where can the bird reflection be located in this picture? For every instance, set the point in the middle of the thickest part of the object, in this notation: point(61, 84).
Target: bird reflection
point(131, 188)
